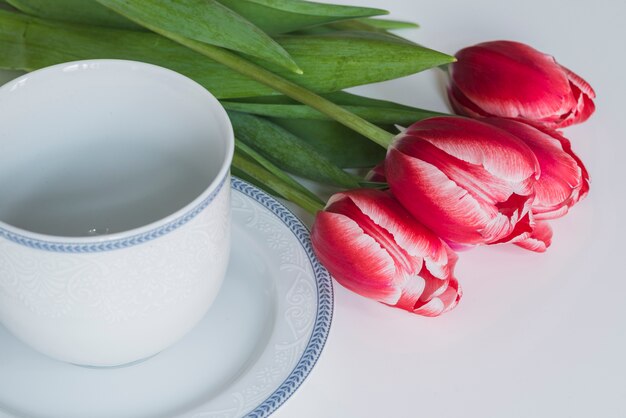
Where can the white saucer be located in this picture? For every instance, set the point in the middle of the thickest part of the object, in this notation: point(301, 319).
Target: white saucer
point(248, 355)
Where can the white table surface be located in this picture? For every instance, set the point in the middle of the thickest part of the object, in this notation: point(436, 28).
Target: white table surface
point(536, 335)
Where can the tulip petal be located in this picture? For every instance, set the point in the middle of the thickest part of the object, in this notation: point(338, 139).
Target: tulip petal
point(539, 240)
point(462, 105)
point(522, 229)
point(355, 259)
point(376, 214)
point(584, 94)
point(579, 82)
point(377, 173)
point(414, 239)
point(433, 286)
point(443, 303)
point(412, 290)
point(439, 267)
point(564, 179)
point(434, 199)
point(499, 152)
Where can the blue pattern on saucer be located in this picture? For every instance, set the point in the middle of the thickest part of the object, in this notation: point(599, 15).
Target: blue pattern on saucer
point(325, 302)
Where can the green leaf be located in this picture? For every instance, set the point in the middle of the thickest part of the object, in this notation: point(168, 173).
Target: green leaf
point(388, 24)
point(249, 152)
point(250, 170)
point(373, 110)
point(271, 16)
point(240, 169)
point(335, 61)
point(280, 16)
point(374, 185)
point(349, 99)
point(330, 62)
point(357, 25)
point(86, 11)
point(287, 151)
point(340, 145)
point(377, 115)
point(205, 21)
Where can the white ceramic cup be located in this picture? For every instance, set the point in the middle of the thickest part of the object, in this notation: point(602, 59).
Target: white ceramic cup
point(114, 209)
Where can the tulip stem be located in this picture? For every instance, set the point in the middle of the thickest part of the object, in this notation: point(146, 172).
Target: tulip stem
point(278, 83)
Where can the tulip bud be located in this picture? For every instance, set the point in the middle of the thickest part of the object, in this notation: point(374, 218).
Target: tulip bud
point(513, 80)
point(469, 182)
point(372, 246)
point(564, 179)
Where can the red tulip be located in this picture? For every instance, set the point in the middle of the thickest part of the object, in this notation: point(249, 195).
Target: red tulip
point(564, 179)
point(469, 182)
point(514, 80)
point(372, 246)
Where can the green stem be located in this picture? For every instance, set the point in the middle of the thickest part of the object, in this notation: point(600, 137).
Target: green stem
point(288, 88)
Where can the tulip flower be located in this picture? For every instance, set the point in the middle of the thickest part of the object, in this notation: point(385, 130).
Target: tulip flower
point(372, 246)
point(514, 80)
point(564, 179)
point(469, 182)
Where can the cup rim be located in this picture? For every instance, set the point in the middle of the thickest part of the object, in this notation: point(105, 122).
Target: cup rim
point(151, 230)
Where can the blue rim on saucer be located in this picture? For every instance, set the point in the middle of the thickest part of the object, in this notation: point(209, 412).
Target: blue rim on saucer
point(323, 318)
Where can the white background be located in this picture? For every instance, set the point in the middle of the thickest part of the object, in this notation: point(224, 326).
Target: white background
point(536, 335)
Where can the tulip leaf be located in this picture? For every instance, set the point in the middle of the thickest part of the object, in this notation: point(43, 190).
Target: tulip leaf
point(250, 170)
point(335, 61)
point(271, 16)
point(281, 16)
point(373, 110)
point(247, 170)
point(330, 62)
point(78, 11)
point(376, 115)
point(388, 24)
point(359, 25)
point(205, 21)
point(244, 149)
point(287, 151)
point(340, 145)
point(374, 185)
point(340, 97)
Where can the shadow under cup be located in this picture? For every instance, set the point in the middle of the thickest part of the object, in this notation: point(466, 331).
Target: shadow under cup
point(114, 217)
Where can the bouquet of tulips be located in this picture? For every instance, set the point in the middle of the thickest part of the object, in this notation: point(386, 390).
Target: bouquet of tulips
point(443, 183)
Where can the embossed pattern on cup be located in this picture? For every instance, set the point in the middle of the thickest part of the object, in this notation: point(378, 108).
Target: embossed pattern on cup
point(115, 217)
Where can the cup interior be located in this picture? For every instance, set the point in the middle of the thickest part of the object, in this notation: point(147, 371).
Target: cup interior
point(105, 146)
